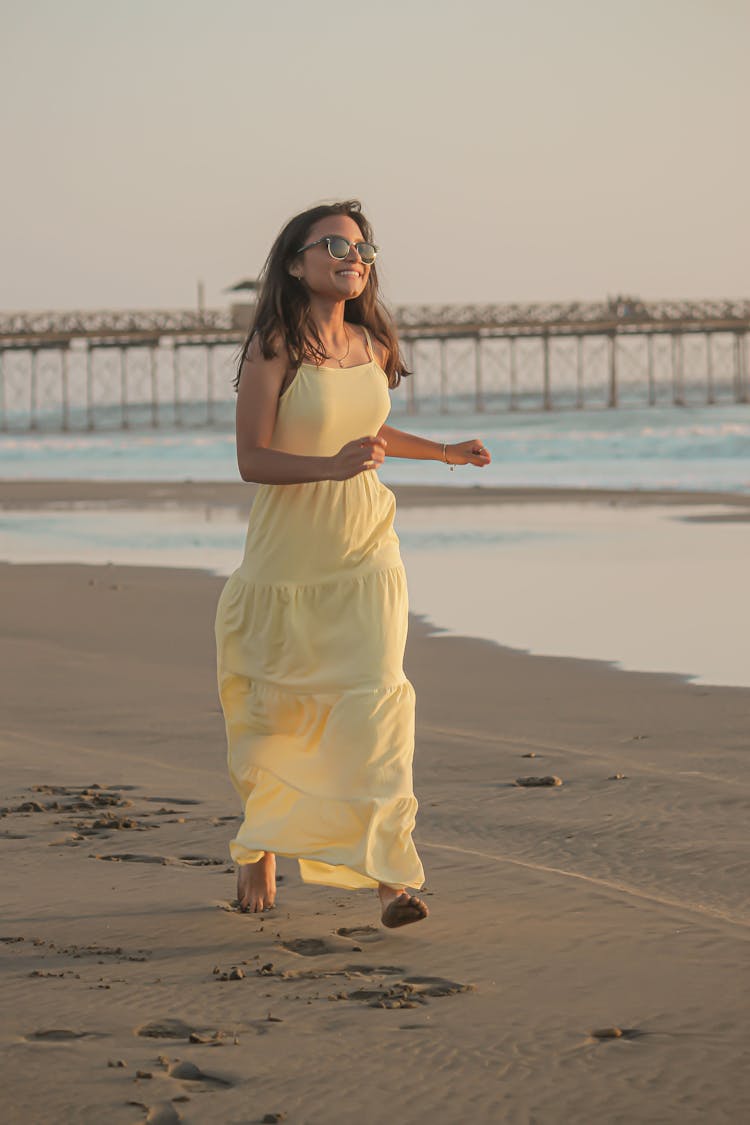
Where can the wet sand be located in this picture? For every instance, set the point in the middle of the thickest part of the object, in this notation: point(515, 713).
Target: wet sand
point(237, 494)
point(617, 900)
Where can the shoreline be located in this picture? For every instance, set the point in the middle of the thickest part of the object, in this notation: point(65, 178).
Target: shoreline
point(33, 494)
point(639, 543)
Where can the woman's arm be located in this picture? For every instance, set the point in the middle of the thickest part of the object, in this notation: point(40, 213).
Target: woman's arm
point(402, 444)
point(257, 403)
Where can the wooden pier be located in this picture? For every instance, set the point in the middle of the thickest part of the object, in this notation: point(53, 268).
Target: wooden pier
point(107, 370)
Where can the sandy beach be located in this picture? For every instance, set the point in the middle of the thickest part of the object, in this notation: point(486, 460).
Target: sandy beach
point(587, 943)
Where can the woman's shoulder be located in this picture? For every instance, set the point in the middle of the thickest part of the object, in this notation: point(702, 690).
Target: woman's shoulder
point(266, 362)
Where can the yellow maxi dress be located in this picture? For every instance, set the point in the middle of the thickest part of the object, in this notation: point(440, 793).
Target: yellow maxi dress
point(310, 635)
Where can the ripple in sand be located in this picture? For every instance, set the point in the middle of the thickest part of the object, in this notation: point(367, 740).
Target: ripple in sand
point(56, 1035)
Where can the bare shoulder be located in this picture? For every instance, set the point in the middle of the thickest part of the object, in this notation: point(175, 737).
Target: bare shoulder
point(257, 369)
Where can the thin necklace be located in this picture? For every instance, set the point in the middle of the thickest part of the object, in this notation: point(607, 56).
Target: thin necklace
point(346, 353)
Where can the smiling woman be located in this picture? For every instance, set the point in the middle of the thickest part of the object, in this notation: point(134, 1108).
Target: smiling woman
point(311, 627)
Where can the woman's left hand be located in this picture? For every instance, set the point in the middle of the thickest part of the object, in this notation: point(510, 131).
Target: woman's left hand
point(473, 452)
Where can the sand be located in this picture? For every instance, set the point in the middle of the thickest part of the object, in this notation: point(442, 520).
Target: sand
point(617, 900)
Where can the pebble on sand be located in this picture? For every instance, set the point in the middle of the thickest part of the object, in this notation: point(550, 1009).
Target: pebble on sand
point(606, 1033)
point(530, 782)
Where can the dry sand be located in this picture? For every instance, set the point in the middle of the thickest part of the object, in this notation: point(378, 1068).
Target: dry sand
point(606, 902)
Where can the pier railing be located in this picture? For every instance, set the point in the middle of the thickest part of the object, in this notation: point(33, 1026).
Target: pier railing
point(119, 369)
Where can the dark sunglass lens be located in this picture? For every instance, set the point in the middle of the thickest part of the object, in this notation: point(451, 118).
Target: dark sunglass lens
point(367, 252)
point(338, 247)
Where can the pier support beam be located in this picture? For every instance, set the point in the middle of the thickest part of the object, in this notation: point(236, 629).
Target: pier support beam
point(33, 390)
point(547, 395)
point(89, 388)
point(612, 354)
point(513, 403)
point(3, 409)
point(650, 373)
point(443, 377)
point(740, 372)
point(411, 397)
point(64, 391)
point(210, 375)
point(478, 390)
point(678, 375)
point(153, 370)
point(710, 393)
point(123, 388)
point(579, 372)
point(176, 382)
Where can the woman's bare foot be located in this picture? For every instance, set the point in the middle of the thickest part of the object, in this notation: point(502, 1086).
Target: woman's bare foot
point(256, 884)
point(399, 907)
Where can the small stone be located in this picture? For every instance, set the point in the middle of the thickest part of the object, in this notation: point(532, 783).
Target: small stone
point(143, 1074)
point(529, 782)
point(237, 973)
point(116, 1062)
point(607, 1033)
point(618, 777)
point(531, 754)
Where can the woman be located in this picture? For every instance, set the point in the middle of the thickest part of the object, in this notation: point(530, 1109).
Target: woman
point(311, 628)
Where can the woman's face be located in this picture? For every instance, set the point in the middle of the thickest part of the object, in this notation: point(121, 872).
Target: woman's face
point(325, 276)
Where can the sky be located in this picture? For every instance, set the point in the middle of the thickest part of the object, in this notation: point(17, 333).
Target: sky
point(530, 150)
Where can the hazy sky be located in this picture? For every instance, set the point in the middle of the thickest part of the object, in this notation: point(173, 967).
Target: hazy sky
point(524, 150)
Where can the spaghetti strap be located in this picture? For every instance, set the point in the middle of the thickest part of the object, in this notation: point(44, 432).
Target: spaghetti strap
point(369, 344)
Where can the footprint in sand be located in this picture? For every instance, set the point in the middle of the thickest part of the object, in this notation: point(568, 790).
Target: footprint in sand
point(310, 947)
point(164, 1029)
point(408, 993)
point(173, 800)
point(164, 860)
point(358, 931)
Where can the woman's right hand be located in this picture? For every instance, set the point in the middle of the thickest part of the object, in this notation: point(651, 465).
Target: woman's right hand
point(358, 456)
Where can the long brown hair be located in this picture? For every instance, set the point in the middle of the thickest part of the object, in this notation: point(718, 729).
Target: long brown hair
point(282, 311)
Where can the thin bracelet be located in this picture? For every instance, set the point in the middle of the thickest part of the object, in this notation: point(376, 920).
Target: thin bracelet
point(445, 458)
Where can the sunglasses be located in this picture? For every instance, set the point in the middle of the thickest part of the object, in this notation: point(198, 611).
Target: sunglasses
point(339, 247)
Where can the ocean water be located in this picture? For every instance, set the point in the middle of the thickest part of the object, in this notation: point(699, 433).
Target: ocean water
point(648, 589)
point(693, 447)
